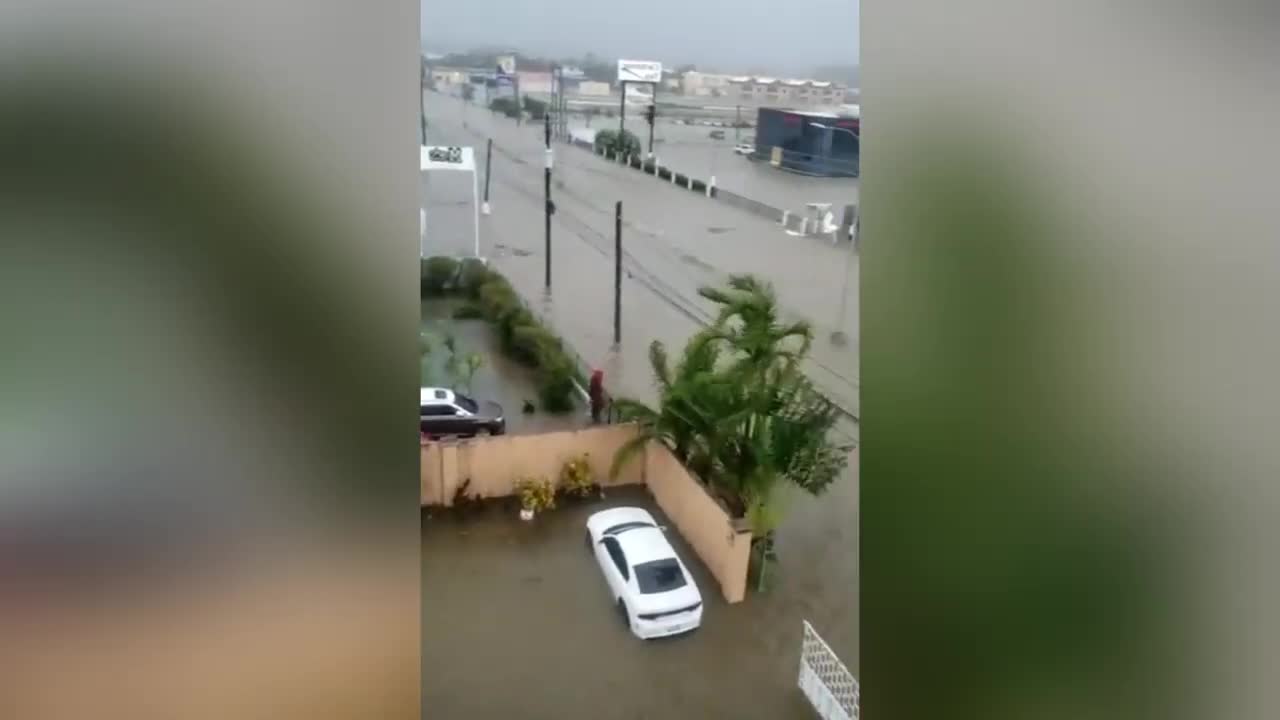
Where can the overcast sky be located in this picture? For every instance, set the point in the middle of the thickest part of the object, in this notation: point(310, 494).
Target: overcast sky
point(783, 36)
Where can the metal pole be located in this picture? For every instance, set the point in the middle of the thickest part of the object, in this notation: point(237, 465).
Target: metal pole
point(654, 103)
point(653, 120)
point(617, 275)
point(475, 206)
point(737, 126)
point(422, 110)
point(564, 111)
point(488, 172)
point(622, 111)
point(840, 337)
point(547, 185)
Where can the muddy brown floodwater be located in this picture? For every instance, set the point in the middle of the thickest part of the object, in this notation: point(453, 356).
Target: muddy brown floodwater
point(517, 623)
point(499, 379)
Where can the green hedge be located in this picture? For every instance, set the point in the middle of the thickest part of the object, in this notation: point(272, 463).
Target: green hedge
point(522, 336)
point(437, 275)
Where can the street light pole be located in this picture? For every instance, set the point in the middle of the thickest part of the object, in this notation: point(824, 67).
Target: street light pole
point(622, 110)
point(547, 187)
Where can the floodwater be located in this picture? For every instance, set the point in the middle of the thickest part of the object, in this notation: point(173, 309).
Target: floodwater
point(516, 620)
point(674, 242)
point(500, 378)
point(518, 623)
point(691, 150)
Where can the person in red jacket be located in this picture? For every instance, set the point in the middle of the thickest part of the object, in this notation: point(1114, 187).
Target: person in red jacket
point(596, 393)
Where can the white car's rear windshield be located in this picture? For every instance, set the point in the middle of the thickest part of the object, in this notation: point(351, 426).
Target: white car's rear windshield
point(659, 576)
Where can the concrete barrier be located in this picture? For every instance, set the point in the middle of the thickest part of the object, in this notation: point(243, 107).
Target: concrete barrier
point(494, 464)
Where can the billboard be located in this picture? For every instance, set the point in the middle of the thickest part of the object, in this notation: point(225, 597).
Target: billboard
point(506, 65)
point(639, 71)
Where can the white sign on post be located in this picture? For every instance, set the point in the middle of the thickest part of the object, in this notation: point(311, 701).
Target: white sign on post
point(448, 158)
point(454, 159)
point(644, 71)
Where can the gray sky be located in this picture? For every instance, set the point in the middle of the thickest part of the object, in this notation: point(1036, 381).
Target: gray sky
point(783, 36)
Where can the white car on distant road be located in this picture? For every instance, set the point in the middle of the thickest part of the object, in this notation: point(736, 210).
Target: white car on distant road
point(744, 148)
point(652, 589)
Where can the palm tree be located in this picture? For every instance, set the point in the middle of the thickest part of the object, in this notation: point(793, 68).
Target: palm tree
point(686, 398)
point(737, 410)
point(748, 322)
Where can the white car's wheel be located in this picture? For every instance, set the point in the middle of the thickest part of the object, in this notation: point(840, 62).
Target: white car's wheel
point(622, 613)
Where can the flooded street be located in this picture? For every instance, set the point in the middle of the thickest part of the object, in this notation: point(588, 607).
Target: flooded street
point(674, 242)
point(517, 623)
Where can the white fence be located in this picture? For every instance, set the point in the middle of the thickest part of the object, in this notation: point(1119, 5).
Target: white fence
point(825, 681)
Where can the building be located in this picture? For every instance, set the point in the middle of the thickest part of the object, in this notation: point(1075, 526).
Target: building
point(703, 84)
point(537, 83)
point(813, 143)
point(594, 88)
point(797, 93)
point(448, 76)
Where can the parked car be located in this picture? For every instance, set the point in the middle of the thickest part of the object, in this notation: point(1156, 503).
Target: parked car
point(444, 412)
point(744, 148)
point(652, 589)
point(717, 134)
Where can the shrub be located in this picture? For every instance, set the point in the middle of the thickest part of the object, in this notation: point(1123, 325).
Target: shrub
point(536, 108)
point(511, 320)
point(468, 311)
point(699, 186)
point(575, 477)
point(612, 142)
point(556, 389)
point(497, 298)
point(437, 274)
point(536, 494)
point(505, 105)
point(471, 275)
point(532, 345)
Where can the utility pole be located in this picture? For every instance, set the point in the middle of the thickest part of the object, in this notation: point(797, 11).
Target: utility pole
point(737, 126)
point(553, 103)
point(651, 115)
point(617, 275)
point(488, 171)
point(622, 111)
point(422, 110)
point(550, 208)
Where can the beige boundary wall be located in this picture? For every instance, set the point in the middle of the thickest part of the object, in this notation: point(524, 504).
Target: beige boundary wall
point(723, 543)
point(493, 464)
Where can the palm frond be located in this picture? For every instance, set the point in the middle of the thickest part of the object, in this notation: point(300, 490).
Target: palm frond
point(658, 362)
point(628, 451)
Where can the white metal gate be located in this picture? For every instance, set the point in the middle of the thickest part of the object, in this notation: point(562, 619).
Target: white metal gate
point(830, 687)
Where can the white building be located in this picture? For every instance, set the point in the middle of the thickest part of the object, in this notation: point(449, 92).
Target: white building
point(798, 93)
point(594, 88)
point(704, 84)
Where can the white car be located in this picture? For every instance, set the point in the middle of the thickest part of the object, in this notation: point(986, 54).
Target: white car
point(654, 592)
point(744, 148)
